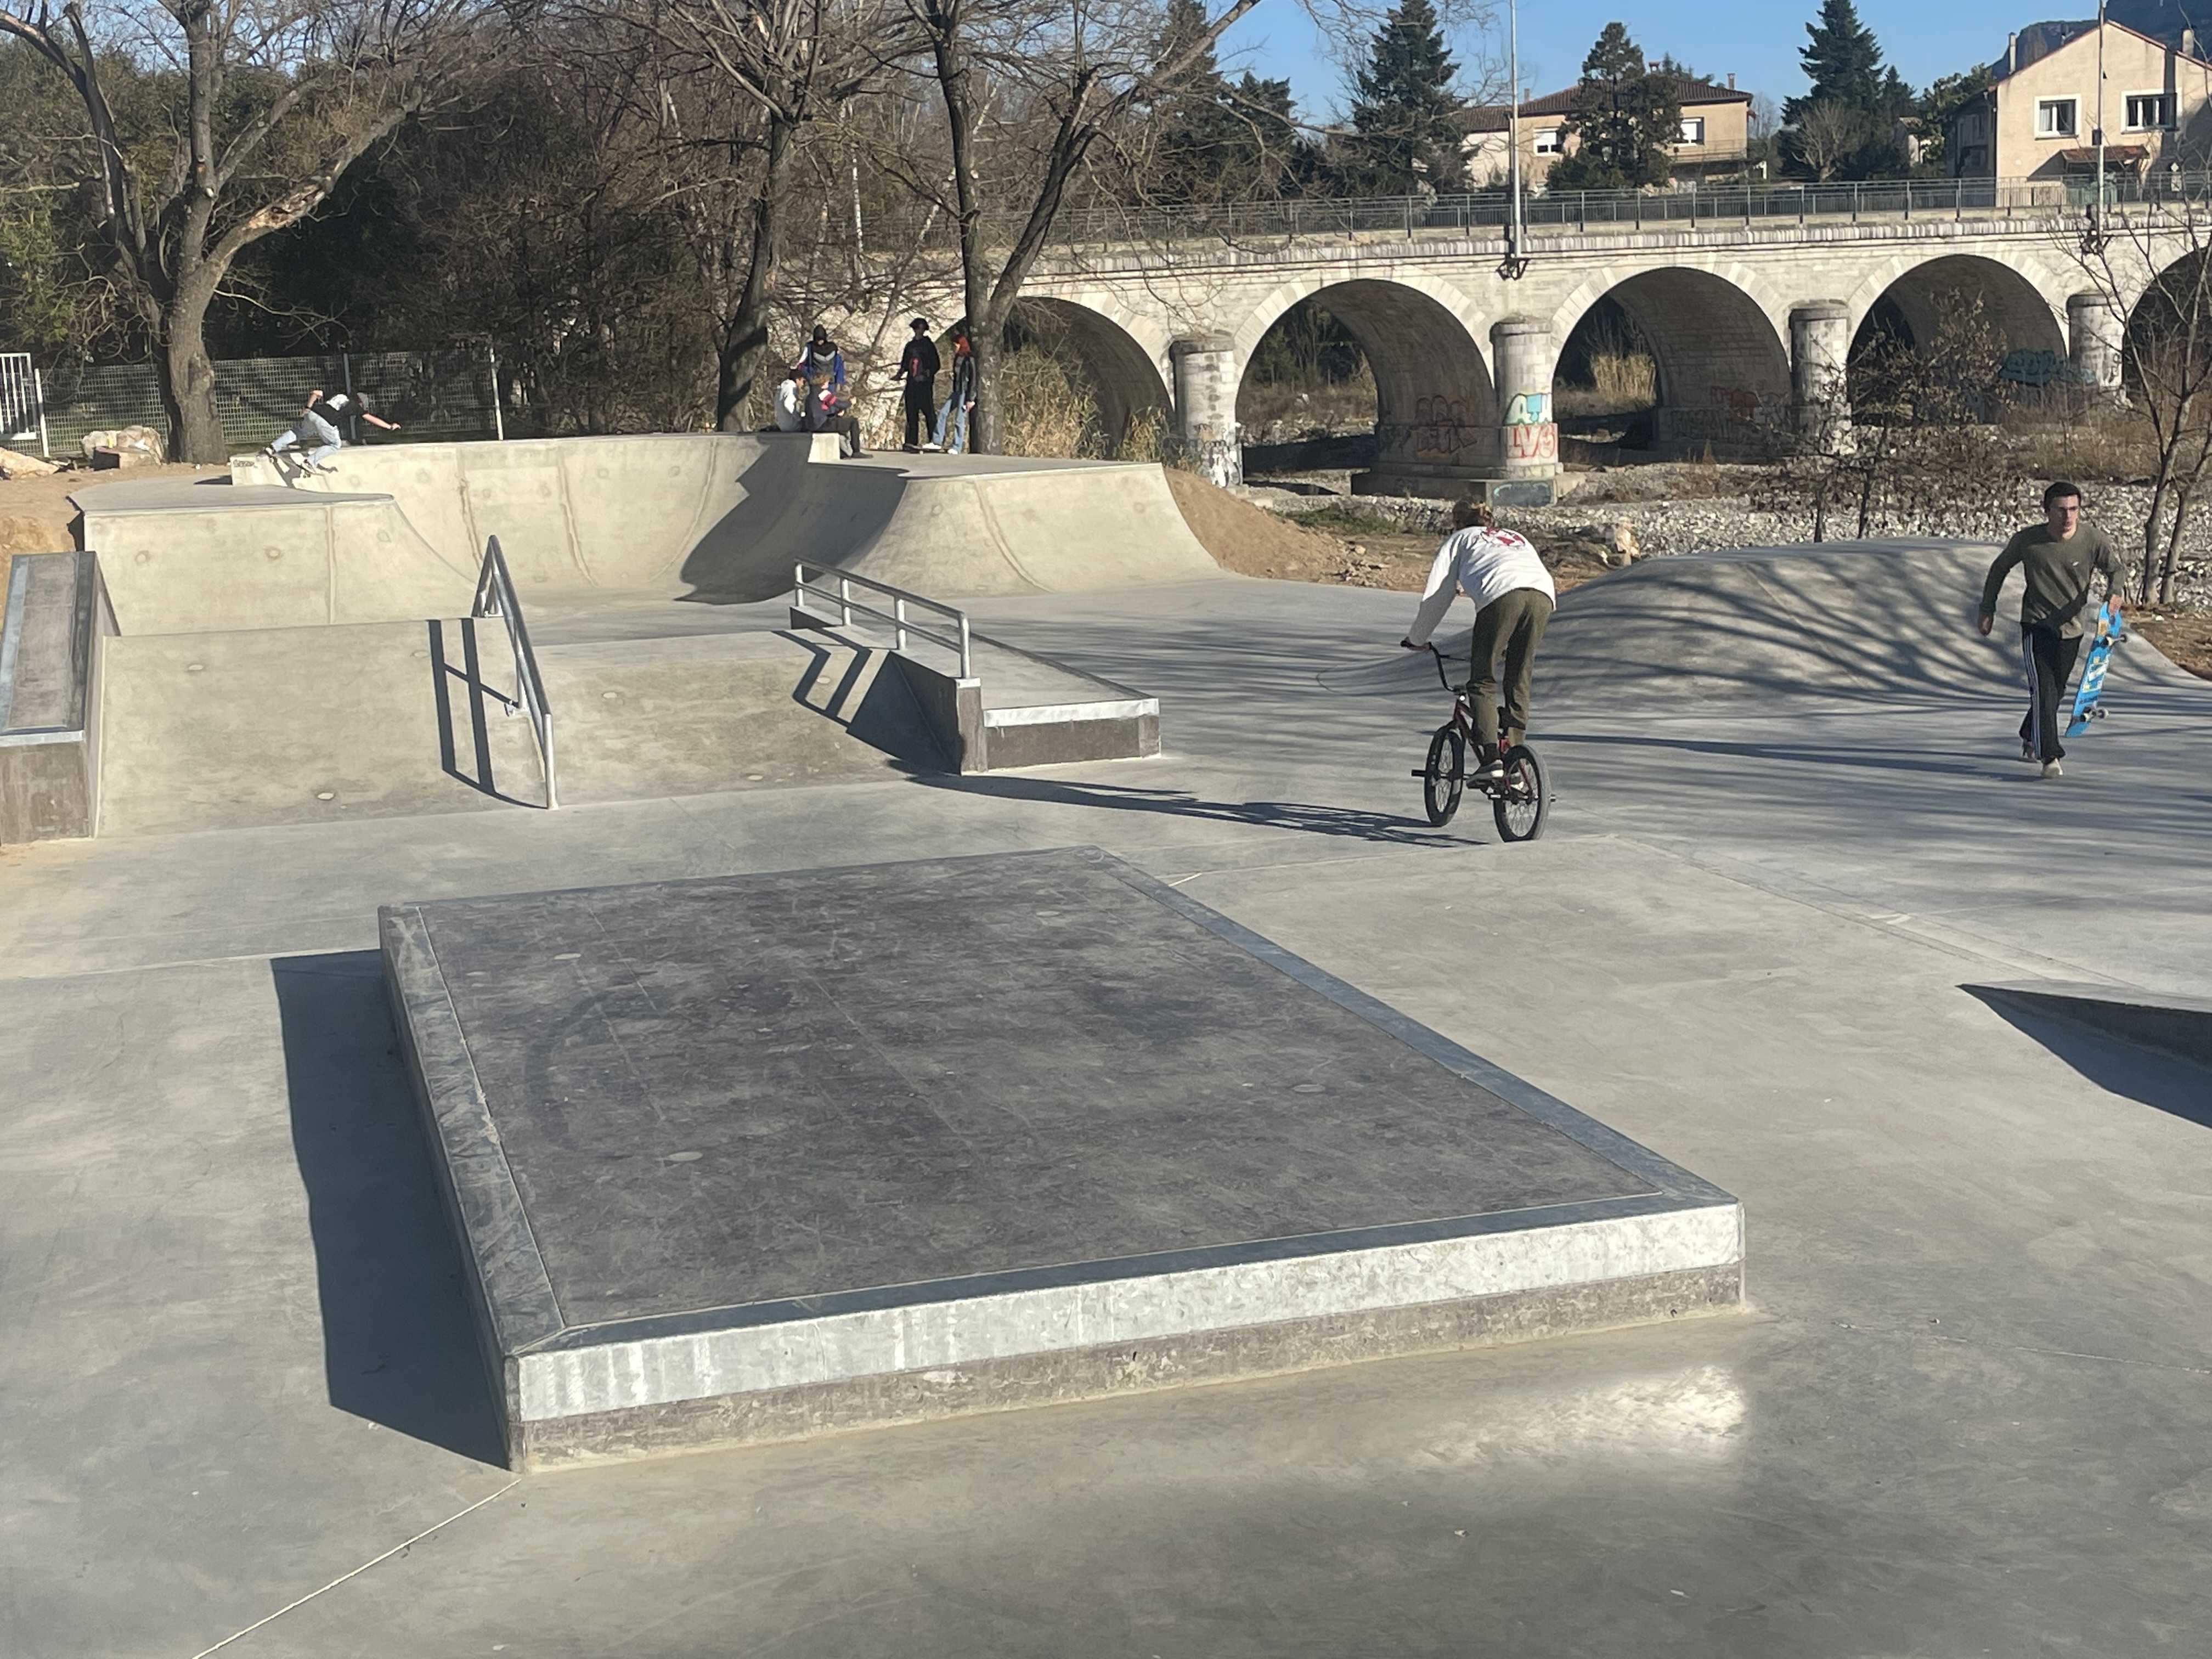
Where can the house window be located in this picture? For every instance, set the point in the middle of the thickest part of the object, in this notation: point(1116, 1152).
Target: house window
point(2058, 117)
point(1550, 141)
point(2147, 110)
point(1694, 130)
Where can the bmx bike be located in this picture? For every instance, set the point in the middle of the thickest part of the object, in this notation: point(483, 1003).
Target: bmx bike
point(1518, 798)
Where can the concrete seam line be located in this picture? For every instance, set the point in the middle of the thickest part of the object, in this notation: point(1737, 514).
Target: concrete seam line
point(358, 1570)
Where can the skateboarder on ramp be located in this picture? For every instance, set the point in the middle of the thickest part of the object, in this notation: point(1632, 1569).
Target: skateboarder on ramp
point(2059, 559)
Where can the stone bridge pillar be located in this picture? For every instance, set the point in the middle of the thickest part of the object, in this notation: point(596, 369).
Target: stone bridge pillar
point(2096, 339)
point(1529, 431)
point(1820, 366)
point(1206, 405)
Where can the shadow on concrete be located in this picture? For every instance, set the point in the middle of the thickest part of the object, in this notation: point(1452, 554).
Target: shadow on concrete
point(1343, 821)
point(870, 699)
point(470, 673)
point(2118, 1066)
point(790, 509)
point(398, 1348)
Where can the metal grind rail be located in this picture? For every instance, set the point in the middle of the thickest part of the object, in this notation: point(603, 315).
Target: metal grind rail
point(495, 598)
point(833, 586)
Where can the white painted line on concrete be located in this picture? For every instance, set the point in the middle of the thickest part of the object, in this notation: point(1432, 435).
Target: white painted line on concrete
point(357, 1571)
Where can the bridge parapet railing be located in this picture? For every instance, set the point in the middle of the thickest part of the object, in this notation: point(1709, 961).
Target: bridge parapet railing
point(1719, 205)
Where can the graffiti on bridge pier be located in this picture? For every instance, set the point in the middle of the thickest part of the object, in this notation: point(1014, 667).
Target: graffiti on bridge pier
point(1531, 434)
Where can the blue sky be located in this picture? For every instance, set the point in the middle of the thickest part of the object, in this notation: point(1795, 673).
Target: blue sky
point(1758, 39)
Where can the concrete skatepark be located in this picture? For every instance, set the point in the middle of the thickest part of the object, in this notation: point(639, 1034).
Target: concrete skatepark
point(1961, 1410)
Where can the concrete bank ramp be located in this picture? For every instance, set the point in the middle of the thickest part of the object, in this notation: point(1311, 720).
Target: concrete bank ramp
point(378, 720)
point(1881, 623)
point(395, 532)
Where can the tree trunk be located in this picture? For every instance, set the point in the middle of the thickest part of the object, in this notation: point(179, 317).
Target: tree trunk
point(187, 379)
point(986, 332)
point(744, 344)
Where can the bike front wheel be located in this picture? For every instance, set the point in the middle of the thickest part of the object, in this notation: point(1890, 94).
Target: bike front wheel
point(1444, 779)
point(1520, 801)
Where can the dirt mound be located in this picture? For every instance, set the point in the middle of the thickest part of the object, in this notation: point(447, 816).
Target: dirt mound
point(21, 535)
point(1250, 540)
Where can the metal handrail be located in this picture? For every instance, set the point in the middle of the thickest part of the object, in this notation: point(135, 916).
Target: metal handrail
point(902, 625)
point(496, 597)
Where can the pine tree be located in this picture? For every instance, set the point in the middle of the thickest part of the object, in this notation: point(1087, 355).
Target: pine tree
point(1211, 141)
point(1844, 62)
point(1406, 137)
point(1845, 125)
point(1626, 121)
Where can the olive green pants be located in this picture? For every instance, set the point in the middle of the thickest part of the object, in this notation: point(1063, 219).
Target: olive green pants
point(1511, 627)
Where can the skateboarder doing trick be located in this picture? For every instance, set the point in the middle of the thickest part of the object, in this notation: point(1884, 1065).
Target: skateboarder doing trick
point(2059, 559)
point(1513, 596)
point(318, 424)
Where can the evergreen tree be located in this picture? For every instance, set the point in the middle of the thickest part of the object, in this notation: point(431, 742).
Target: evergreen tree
point(1844, 62)
point(1213, 141)
point(1845, 126)
point(1406, 137)
point(1627, 119)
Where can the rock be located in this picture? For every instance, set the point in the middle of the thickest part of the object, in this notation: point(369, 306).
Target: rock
point(141, 441)
point(14, 465)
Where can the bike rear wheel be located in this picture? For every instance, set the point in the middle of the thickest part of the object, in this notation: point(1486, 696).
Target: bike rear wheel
point(1444, 779)
point(1520, 801)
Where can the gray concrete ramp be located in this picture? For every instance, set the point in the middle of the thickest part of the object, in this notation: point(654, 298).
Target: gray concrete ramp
point(1881, 623)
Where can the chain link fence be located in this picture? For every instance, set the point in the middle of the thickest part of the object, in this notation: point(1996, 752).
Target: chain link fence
point(435, 395)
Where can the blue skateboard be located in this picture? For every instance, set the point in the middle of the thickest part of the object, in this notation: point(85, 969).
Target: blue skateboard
point(2110, 632)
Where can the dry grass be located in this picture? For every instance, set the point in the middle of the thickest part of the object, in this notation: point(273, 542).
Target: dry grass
point(1049, 409)
point(2103, 446)
point(1620, 383)
point(1312, 403)
point(2182, 632)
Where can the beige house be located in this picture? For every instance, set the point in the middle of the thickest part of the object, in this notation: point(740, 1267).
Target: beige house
point(1716, 135)
point(2038, 120)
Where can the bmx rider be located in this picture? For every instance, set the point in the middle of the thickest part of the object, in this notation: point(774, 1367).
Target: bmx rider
point(1513, 596)
point(2059, 559)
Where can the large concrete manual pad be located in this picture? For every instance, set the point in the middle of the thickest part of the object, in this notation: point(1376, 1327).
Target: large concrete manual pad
point(743, 1159)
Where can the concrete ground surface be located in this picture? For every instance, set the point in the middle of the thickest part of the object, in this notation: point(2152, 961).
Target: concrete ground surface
point(1967, 1412)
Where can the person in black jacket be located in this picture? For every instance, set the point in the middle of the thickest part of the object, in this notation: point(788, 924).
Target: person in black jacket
point(917, 366)
point(960, 402)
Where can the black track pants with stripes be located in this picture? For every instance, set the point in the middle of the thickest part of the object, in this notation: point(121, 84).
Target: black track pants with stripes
point(2047, 658)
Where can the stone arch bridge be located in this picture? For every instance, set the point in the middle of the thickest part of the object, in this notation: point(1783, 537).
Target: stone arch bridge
point(1751, 323)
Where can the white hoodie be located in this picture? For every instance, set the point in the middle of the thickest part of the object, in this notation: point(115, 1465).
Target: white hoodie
point(789, 416)
point(1484, 564)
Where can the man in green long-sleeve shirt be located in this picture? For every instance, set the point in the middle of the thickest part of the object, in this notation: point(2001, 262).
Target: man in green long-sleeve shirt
point(2059, 559)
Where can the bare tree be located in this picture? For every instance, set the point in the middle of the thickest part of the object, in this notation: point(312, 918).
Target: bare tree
point(2152, 264)
point(1076, 76)
point(1916, 449)
point(1827, 135)
point(278, 98)
point(734, 88)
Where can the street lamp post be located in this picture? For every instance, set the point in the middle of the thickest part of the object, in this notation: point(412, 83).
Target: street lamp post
point(1515, 266)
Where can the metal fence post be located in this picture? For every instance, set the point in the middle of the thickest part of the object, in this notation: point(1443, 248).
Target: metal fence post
point(38, 391)
point(498, 420)
point(345, 375)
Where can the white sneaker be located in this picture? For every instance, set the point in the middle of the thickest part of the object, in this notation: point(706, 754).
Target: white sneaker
point(2028, 753)
point(933, 449)
point(2052, 769)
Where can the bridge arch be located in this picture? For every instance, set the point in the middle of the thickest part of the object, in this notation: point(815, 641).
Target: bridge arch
point(1436, 404)
point(1121, 351)
point(1719, 338)
point(2022, 297)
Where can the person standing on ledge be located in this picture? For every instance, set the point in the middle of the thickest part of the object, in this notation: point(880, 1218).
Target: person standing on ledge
point(2059, 559)
point(1513, 596)
point(918, 367)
